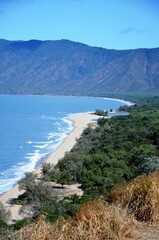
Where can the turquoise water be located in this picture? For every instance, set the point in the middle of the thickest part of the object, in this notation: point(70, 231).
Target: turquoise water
point(33, 126)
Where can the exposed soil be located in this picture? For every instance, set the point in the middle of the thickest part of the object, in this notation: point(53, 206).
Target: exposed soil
point(67, 190)
point(145, 232)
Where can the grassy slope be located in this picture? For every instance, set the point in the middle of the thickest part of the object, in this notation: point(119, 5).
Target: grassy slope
point(98, 219)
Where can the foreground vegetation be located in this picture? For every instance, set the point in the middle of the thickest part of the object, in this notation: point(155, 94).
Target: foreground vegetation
point(122, 216)
point(119, 161)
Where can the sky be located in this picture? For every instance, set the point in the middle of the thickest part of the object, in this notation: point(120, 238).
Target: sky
point(111, 24)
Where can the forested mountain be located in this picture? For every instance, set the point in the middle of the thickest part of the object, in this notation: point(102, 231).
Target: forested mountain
point(68, 68)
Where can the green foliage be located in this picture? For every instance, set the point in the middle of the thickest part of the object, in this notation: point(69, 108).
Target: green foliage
point(70, 205)
point(21, 223)
point(4, 227)
point(102, 121)
point(51, 217)
point(150, 164)
point(49, 172)
point(46, 168)
point(124, 108)
point(28, 182)
point(4, 214)
point(3, 224)
point(20, 200)
point(100, 172)
point(37, 192)
point(114, 151)
point(6, 232)
point(39, 196)
point(101, 112)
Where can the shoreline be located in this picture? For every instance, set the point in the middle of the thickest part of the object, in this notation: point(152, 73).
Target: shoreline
point(80, 122)
point(127, 102)
point(78, 126)
point(34, 155)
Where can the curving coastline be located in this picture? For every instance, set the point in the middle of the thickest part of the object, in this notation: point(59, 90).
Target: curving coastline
point(80, 122)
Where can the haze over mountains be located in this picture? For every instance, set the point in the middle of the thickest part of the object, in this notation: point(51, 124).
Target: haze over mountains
point(68, 68)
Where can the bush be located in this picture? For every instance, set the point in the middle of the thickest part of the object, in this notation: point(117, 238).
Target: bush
point(123, 108)
point(150, 164)
point(141, 197)
point(3, 224)
point(21, 223)
point(101, 112)
point(95, 220)
point(4, 214)
point(36, 192)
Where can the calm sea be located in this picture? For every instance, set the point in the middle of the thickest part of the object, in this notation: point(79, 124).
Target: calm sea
point(33, 126)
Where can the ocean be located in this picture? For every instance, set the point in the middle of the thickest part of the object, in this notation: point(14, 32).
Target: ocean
point(31, 127)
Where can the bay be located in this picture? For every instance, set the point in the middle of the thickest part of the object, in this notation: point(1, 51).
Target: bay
point(31, 127)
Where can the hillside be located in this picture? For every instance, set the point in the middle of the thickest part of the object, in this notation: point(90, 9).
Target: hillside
point(66, 67)
point(117, 165)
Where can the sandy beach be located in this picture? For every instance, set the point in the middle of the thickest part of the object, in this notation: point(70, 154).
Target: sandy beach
point(80, 122)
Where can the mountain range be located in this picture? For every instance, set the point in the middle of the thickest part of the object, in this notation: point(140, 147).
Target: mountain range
point(64, 67)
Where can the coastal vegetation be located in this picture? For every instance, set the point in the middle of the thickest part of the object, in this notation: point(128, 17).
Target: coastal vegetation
point(116, 164)
point(114, 152)
point(100, 112)
point(4, 214)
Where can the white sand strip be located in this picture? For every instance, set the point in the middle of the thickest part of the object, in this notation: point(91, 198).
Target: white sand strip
point(80, 122)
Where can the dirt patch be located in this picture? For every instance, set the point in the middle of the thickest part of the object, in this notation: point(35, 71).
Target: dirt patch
point(145, 232)
point(66, 191)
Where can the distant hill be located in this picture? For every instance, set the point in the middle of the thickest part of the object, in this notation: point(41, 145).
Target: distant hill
point(68, 68)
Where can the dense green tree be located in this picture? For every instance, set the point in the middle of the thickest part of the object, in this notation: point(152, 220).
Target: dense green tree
point(101, 112)
point(123, 108)
point(114, 151)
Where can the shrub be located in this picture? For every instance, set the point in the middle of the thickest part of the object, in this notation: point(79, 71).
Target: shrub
point(141, 197)
point(150, 164)
point(123, 108)
point(4, 213)
point(101, 112)
point(21, 223)
point(95, 220)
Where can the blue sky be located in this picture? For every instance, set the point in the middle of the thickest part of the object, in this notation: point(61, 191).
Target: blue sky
point(112, 24)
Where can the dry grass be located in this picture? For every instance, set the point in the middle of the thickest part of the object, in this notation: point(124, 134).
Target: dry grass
point(140, 197)
point(96, 220)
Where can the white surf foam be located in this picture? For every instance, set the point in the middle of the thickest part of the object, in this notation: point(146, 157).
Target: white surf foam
point(40, 150)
